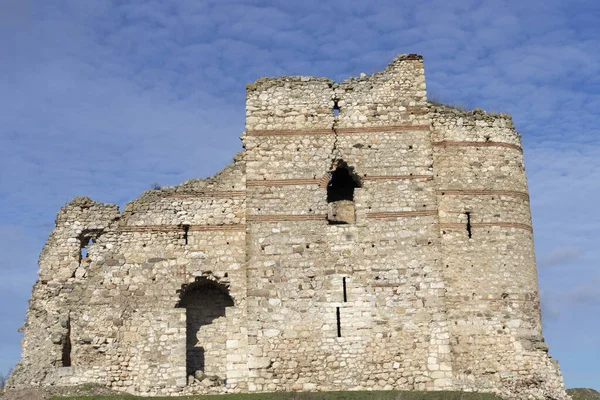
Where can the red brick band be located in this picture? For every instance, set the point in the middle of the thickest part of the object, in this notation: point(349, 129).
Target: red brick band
point(289, 132)
point(288, 182)
point(180, 228)
point(477, 144)
point(484, 192)
point(286, 217)
point(325, 180)
point(457, 226)
point(217, 194)
point(503, 225)
point(508, 299)
point(339, 131)
point(375, 129)
point(460, 226)
point(151, 228)
point(394, 177)
point(401, 214)
point(458, 296)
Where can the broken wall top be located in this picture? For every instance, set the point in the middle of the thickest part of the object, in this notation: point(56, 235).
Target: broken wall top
point(396, 95)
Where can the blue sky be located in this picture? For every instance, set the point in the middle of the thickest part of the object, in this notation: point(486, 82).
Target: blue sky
point(104, 99)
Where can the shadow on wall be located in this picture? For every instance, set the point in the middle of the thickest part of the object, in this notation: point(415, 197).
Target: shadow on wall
point(204, 301)
point(342, 183)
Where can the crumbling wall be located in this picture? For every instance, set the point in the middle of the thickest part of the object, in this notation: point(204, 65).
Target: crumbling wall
point(119, 306)
point(489, 265)
point(51, 338)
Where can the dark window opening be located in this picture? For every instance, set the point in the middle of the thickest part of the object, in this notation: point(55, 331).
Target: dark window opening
point(205, 302)
point(339, 324)
point(345, 295)
point(66, 346)
point(336, 108)
point(334, 222)
point(342, 183)
point(186, 229)
point(469, 224)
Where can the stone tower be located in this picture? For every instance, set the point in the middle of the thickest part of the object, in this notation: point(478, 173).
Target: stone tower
point(365, 239)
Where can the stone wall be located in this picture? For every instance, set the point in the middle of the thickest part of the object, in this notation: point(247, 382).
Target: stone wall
point(489, 263)
point(364, 240)
point(392, 331)
point(116, 307)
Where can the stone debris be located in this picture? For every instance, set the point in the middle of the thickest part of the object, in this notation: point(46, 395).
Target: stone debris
point(364, 240)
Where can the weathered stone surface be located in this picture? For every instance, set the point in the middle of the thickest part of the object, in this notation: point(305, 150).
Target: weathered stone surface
point(420, 276)
point(341, 211)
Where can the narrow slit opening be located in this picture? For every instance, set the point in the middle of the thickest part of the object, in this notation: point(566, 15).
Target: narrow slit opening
point(345, 295)
point(186, 229)
point(339, 324)
point(469, 224)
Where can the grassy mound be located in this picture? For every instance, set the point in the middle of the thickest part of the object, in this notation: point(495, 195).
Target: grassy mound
point(584, 394)
point(371, 395)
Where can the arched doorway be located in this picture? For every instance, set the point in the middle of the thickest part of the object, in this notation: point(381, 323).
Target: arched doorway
point(205, 302)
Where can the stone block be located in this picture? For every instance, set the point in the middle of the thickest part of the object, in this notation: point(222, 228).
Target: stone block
point(342, 212)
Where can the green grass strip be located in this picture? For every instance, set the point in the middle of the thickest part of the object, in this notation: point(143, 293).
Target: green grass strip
point(365, 395)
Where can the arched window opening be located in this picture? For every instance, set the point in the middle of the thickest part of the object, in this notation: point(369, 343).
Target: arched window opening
point(205, 302)
point(342, 183)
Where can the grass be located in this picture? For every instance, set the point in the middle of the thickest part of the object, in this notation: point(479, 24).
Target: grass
point(584, 394)
point(366, 395)
point(435, 100)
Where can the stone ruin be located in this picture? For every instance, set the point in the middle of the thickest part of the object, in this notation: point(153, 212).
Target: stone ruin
point(365, 239)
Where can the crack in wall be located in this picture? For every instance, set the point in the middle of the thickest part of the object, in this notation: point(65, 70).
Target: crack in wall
point(334, 148)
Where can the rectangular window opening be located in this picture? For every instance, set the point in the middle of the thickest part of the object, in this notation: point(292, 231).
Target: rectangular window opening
point(345, 295)
point(339, 324)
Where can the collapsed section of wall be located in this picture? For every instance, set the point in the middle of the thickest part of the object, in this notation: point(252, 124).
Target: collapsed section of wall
point(116, 301)
point(48, 341)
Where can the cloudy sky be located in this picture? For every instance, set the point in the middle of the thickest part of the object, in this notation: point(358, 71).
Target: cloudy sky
point(104, 98)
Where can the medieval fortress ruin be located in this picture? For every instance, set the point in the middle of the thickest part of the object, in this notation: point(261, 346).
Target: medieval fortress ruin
point(365, 239)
